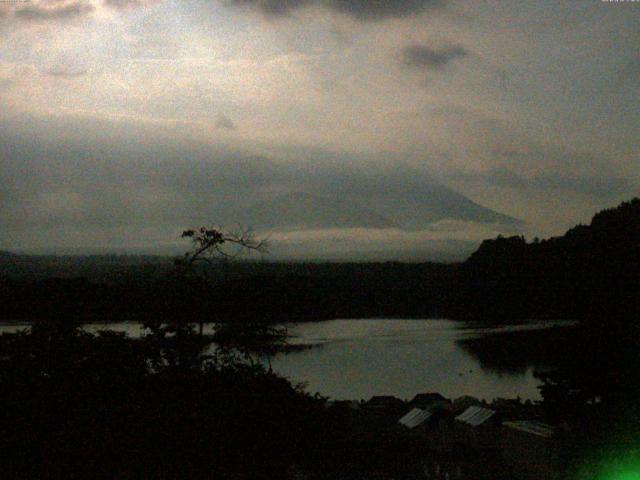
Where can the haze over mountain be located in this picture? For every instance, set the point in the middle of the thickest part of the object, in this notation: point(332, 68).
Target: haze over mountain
point(402, 198)
point(300, 210)
point(128, 196)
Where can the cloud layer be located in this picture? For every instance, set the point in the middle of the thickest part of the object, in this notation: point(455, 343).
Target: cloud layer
point(363, 10)
point(421, 56)
point(57, 10)
point(140, 115)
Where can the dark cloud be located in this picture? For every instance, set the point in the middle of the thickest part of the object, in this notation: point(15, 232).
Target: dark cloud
point(36, 13)
point(64, 72)
point(421, 56)
point(566, 162)
point(378, 9)
point(224, 122)
point(598, 186)
point(125, 4)
point(632, 68)
point(363, 10)
point(275, 8)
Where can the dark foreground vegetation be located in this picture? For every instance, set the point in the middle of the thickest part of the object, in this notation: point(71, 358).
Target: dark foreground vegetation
point(132, 288)
point(77, 405)
point(589, 273)
point(177, 404)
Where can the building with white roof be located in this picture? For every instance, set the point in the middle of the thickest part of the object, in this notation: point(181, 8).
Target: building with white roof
point(529, 449)
point(477, 427)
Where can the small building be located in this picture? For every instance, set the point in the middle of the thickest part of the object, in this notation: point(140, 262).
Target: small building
point(512, 409)
point(383, 405)
point(529, 449)
point(343, 404)
point(477, 428)
point(432, 426)
point(429, 401)
point(460, 404)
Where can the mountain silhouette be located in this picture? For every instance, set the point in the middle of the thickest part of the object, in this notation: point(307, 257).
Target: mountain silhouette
point(335, 194)
point(306, 211)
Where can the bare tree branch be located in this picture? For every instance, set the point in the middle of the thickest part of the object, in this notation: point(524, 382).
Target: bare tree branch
point(208, 245)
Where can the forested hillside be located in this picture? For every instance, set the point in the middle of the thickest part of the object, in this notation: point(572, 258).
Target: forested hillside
point(591, 272)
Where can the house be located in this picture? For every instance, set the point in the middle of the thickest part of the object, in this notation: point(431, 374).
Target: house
point(477, 428)
point(343, 404)
point(516, 409)
point(383, 404)
point(432, 426)
point(460, 404)
point(529, 449)
point(429, 401)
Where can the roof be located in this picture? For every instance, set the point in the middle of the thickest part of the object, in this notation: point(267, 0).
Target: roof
point(414, 418)
point(475, 416)
point(383, 400)
point(467, 398)
point(427, 398)
point(534, 428)
point(353, 404)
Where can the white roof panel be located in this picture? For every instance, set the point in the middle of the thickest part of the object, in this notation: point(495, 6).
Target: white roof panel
point(534, 428)
point(475, 416)
point(414, 418)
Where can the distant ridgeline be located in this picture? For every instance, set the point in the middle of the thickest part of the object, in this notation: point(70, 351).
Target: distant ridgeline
point(592, 272)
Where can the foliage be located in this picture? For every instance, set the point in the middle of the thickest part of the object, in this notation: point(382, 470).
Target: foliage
point(174, 336)
point(81, 405)
point(590, 273)
point(77, 404)
point(240, 290)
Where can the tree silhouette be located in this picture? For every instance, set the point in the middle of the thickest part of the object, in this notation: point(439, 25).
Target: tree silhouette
point(208, 245)
point(243, 339)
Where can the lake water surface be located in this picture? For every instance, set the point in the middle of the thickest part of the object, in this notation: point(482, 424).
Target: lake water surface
point(356, 359)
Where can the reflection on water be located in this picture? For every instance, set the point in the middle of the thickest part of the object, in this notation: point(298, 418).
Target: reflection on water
point(362, 358)
point(355, 359)
point(516, 350)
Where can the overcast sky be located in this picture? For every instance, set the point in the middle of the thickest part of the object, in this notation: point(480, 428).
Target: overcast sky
point(530, 108)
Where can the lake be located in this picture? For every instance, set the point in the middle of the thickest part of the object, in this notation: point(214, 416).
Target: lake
point(356, 359)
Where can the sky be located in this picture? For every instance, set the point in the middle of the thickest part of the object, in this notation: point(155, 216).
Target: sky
point(115, 113)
